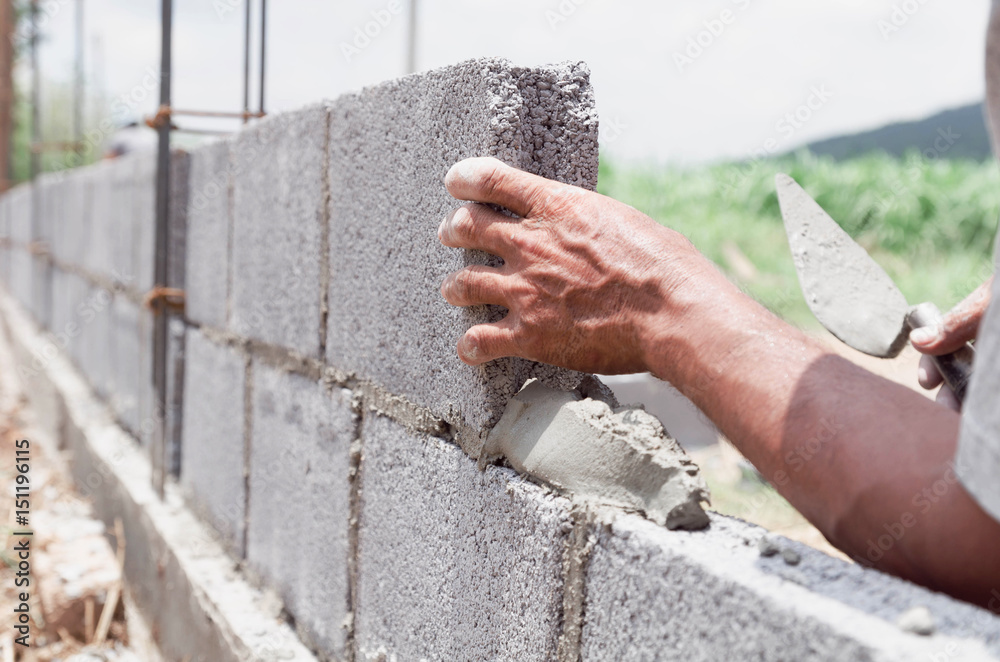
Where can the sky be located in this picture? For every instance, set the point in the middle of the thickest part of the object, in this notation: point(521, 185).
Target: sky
point(679, 82)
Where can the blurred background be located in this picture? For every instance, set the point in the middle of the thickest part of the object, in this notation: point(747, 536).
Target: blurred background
point(875, 106)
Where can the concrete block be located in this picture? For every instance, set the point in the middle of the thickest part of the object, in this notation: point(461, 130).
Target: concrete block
point(131, 349)
point(390, 147)
point(97, 358)
point(180, 174)
point(300, 490)
point(100, 208)
point(209, 225)
point(21, 264)
point(69, 241)
point(454, 563)
point(213, 458)
point(278, 201)
point(653, 594)
point(143, 221)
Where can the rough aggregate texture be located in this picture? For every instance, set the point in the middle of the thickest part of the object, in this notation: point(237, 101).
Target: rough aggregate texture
point(390, 147)
point(454, 563)
point(709, 595)
point(212, 455)
point(278, 206)
point(297, 536)
point(209, 222)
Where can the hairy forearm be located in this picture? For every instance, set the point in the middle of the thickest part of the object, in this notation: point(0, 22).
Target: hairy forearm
point(866, 460)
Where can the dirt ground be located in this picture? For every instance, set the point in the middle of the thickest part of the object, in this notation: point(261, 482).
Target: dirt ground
point(75, 609)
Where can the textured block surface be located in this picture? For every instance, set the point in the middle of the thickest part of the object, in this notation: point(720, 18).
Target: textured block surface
point(209, 217)
point(454, 563)
point(143, 221)
point(213, 455)
point(652, 594)
point(390, 147)
point(300, 499)
point(278, 211)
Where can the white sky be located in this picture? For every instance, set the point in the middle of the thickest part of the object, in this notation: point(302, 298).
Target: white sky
point(726, 103)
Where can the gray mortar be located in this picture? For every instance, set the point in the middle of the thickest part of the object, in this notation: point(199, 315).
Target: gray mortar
point(847, 291)
point(390, 147)
point(711, 595)
point(615, 457)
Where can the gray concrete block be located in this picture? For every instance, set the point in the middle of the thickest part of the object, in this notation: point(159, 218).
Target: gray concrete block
point(131, 350)
point(454, 563)
point(390, 148)
point(69, 242)
point(143, 220)
point(209, 225)
point(653, 594)
point(213, 456)
point(300, 490)
point(180, 175)
point(97, 345)
point(278, 201)
point(21, 264)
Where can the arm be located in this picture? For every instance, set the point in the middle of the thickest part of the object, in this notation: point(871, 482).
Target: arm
point(595, 285)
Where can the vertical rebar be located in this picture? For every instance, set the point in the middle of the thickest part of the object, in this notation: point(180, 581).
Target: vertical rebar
point(160, 312)
point(36, 94)
point(246, 63)
point(263, 52)
point(411, 39)
point(78, 99)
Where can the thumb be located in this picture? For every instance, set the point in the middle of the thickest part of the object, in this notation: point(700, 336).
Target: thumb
point(958, 326)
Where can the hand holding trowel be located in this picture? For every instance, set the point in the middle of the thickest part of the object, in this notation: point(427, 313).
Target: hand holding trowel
point(850, 294)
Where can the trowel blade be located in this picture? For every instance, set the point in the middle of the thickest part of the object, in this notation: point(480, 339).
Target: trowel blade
point(847, 291)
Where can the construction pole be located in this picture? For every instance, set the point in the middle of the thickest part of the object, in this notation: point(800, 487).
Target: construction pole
point(263, 52)
point(162, 258)
point(411, 42)
point(36, 95)
point(246, 63)
point(6, 91)
point(78, 93)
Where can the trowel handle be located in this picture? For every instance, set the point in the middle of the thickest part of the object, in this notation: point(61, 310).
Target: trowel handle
point(956, 368)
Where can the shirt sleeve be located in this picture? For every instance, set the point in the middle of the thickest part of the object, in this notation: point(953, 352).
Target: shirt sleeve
point(977, 461)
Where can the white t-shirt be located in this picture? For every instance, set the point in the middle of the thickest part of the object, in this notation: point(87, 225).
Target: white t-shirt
point(977, 462)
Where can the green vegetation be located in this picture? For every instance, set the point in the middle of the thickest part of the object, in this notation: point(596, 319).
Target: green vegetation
point(930, 224)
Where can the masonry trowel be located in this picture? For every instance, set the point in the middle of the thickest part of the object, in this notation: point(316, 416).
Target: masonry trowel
point(850, 294)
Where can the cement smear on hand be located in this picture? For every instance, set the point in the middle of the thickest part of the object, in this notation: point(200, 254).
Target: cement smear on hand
point(618, 457)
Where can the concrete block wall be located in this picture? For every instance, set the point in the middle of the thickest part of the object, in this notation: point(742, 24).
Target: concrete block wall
point(322, 425)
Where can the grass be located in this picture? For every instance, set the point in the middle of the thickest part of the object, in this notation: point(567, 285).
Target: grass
point(930, 224)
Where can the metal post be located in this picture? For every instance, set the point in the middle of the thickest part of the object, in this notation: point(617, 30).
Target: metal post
point(246, 64)
point(160, 310)
point(263, 51)
point(78, 100)
point(411, 43)
point(36, 94)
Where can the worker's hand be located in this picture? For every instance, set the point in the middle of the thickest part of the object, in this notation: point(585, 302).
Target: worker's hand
point(960, 325)
point(583, 275)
